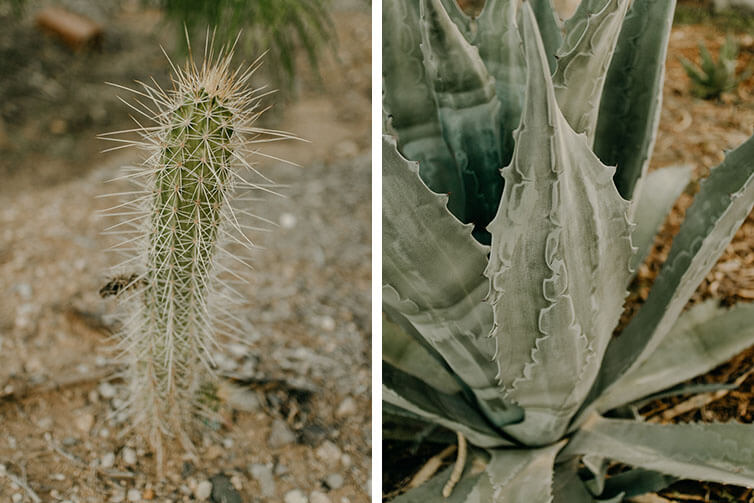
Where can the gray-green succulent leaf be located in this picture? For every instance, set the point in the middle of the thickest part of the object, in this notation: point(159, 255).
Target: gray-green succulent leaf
point(559, 261)
point(632, 95)
point(725, 199)
point(717, 452)
point(704, 337)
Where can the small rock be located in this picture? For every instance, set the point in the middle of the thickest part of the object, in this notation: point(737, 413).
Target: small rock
point(148, 494)
point(93, 396)
point(129, 456)
point(228, 443)
point(328, 453)
point(108, 460)
point(223, 490)
point(17, 497)
point(327, 323)
point(346, 408)
point(318, 497)
point(263, 475)
point(281, 470)
point(107, 390)
point(70, 441)
point(45, 423)
point(313, 434)
point(280, 434)
point(237, 482)
point(33, 365)
point(295, 496)
point(203, 490)
point(133, 495)
point(84, 422)
point(24, 290)
point(187, 469)
point(346, 461)
point(334, 481)
point(287, 221)
point(245, 400)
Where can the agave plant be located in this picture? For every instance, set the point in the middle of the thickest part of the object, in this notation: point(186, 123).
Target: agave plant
point(712, 78)
point(511, 345)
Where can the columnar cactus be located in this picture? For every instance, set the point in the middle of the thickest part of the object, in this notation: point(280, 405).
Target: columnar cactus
point(196, 152)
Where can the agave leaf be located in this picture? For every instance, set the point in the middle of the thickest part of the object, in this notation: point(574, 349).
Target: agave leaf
point(631, 97)
point(468, 109)
point(636, 482)
point(428, 255)
point(466, 24)
point(655, 200)
point(455, 334)
point(549, 29)
point(514, 476)
point(716, 452)
point(559, 261)
point(451, 411)
point(703, 337)
point(582, 64)
point(433, 272)
point(409, 100)
point(725, 199)
point(499, 46)
point(680, 389)
point(404, 353)
point(567, 486)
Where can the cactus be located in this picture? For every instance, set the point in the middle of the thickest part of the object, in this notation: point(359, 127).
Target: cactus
point(511, 345)
point(184, 221)
point(712, 78)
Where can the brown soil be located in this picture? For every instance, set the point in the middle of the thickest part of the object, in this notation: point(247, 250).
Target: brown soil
point(306, 368)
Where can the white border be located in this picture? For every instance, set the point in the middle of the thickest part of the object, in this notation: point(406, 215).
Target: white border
point(376, 250)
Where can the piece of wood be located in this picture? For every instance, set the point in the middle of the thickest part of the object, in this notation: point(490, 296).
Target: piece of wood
point(75, 30)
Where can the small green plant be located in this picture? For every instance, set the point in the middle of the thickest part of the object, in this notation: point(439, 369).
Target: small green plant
point(511, 345)
point(182, 232)
point(712, 78)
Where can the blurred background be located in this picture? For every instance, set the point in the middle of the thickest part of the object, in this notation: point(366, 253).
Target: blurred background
point(297, 423)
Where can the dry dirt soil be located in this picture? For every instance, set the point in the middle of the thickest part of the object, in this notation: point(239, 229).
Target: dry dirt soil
point(298, 425)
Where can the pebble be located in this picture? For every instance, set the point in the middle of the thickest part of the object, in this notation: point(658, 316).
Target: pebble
point(346, 408)
point(295, 496)
point(129, 456)
point(108, 460)
point(223, 490)
point(318, 497)
point(334, 481)
point(263, 475)
point(133, 495)
point(203, 490)
point(327, 323)
point(17, 497)
point(287, 220)
point(328, 453)
point(346, 460)
point(106, 390)
point(280, 434)
point(281, 470)
point(84, 422)
point(244, 400)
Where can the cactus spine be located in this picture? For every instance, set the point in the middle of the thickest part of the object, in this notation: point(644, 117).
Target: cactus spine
point(197, 149)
